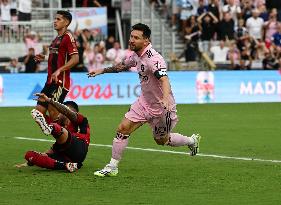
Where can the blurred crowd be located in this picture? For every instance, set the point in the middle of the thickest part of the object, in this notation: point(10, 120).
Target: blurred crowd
point(92, 54)
point(235, 31)
point(15, 10)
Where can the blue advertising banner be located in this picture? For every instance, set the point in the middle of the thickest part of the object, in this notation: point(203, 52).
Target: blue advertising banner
point(124, 88)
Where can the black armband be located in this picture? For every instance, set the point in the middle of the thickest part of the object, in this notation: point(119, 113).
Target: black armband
point(160, 73)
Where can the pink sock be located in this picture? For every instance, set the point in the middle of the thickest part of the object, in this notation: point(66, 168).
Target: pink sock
point(118, 147)
point(177, 140)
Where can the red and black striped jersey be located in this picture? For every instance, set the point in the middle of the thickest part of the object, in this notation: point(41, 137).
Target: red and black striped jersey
point(60, 51)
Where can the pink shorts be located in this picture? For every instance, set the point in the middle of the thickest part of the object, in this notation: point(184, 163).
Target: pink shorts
point(160, 125)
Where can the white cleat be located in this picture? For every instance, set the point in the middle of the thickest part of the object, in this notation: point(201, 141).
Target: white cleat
point(108, 170)
point(71, 166)
point(194, 148)
point(40, 120)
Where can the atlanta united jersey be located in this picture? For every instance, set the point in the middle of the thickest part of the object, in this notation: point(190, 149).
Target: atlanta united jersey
point(60, 51)
point(151, 67)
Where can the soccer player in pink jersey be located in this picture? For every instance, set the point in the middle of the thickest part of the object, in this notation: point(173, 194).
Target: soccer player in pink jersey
point(155, 106)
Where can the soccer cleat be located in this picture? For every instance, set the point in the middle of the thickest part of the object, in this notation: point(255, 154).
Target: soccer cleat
point(194, 148)
point(108, 170)
point(71, 167)
point(40, 120)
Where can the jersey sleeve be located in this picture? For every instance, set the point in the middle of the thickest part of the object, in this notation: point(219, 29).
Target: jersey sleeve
point(84, 129)
point(80, 118)
point(71, 46)
point(158, 66)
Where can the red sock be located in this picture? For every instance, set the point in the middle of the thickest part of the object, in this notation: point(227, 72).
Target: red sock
point(40, 160)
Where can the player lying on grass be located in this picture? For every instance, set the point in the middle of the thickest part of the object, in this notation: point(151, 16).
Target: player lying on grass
point(71, 132)
point(155, 106)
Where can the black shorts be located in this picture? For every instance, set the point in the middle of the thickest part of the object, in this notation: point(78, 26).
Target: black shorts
point(55, 92)
point(73, 150)
point(24, 16)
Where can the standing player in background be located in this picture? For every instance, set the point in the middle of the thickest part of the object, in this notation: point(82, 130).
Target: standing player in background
point(156, 104)
point(63, 56)
point(72, 134)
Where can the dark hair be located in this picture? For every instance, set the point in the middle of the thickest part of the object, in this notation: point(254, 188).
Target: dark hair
point(72, 104)
point(144, 28)
point(65, 14)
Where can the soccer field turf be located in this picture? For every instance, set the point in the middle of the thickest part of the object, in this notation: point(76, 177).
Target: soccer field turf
point(145, 177)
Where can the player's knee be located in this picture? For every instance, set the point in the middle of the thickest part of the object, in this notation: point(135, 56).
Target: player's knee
point(162, 140)
point(29, 155)
point(53, 114)
point(41, 109)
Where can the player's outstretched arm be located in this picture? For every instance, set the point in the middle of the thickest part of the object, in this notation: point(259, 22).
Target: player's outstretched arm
point(114, 69)
point(71, 115)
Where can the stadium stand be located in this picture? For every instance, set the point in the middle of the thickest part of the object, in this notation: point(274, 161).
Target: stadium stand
point(184, 31)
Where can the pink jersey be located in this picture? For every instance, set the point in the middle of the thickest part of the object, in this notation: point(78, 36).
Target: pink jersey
point(151, 67)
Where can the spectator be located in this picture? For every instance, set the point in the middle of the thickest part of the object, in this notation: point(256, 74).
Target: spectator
point(5, 10)
point(270, 62)
point(233, 9)
point(115, 54)
point(260, 50)
point(192, 28)
point(102, 48)
point(202, 8)
point(24, 10)
point(246, 59)
point(226, 27)
point(192, 36)
point(13, 10)
point(207, 24)
point(257, 3)
point(14, 66)
point(270, 4)
point(31, 40)
point(85, 37)
point(88, 56)
point(271, 26)
point(109, 42)
point(175, 14)
point(98, 57)
point(214, 8)
point(233, 55)
point(90, 3)
point(276, 41)
point(186, 10)
point(241, 31)
point(31, 66)
point(247, 8)
point(254, 25)
point(263, 12)
point(220, 52)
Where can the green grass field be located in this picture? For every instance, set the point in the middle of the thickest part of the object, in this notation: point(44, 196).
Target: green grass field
point(236, 130)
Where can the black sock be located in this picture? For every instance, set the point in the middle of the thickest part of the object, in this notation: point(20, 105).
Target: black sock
point(59, 165)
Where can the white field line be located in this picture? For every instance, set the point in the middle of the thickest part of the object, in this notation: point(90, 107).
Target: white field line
point(167, 151)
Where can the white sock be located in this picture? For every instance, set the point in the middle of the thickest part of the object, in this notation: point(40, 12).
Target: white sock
point(114, 162)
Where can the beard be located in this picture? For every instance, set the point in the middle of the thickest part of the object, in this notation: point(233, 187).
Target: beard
point(134, 48)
